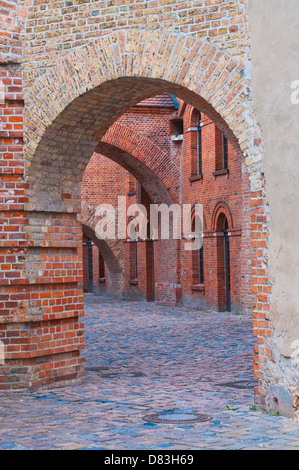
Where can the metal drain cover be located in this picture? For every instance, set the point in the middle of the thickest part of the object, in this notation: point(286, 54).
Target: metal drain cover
point(176, 418)
point(242, 384)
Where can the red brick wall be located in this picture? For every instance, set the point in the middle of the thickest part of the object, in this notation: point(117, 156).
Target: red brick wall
point(225, 189)
point(220, 191)
point(104, 181)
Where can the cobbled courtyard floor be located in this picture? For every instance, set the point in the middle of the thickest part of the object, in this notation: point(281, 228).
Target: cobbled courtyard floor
point(142, 358)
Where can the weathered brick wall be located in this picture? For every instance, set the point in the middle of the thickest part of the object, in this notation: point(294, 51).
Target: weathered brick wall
point(55, 28)
point(37, 348)
point(103, 181)
point(221, 191)
point(12, 26)
point(138, 131)
point(216, 188)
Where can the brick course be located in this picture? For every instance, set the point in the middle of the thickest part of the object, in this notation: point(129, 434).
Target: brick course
point(54, 29)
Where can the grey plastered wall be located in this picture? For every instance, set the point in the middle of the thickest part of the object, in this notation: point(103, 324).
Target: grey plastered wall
point(274, 40)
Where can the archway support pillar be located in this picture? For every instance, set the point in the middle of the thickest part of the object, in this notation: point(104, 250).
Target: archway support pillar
point(41, 322)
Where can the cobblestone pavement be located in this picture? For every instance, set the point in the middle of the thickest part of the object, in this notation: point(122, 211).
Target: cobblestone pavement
point(141, 359)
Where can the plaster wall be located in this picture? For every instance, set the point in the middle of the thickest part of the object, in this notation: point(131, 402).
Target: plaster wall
point(274, 38)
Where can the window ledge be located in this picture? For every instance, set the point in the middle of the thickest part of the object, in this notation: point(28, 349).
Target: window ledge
point(221, 172)
point(131, 193)
point(198, 287)
point(102, 280)
point(195, 178)
point(133, 282)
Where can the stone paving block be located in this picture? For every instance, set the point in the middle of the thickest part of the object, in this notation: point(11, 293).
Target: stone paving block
point(107, 412)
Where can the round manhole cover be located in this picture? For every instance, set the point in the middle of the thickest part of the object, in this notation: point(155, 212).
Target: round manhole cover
point(176, 418)
point(242, 384)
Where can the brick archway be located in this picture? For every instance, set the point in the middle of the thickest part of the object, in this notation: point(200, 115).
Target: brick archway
point(67, 112)
point(146, 162)
point(80, 98)
point(148, 178)
point(112, 249)
point(143, 159)
point(221, 208)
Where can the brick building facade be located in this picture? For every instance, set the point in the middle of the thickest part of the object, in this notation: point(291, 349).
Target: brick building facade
point(198, 165)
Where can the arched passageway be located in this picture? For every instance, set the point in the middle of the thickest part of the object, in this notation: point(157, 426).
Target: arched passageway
point(68, 111)
point(146, 164)
point(75, 103)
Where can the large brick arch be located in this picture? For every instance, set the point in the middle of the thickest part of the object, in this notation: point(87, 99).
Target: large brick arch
point(136, 166)
point(147, 163)
point(67, 112)
point(71, 106)
point(150, 164)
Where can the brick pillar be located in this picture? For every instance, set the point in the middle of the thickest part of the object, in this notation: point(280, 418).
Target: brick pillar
point(262, 290)
point(40, 301)
point(40, 324)
point(13, 248)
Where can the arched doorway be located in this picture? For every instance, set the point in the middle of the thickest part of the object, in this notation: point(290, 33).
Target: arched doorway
point(223, 264)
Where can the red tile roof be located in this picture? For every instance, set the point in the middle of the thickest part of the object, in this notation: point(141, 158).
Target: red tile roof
point(161, 101)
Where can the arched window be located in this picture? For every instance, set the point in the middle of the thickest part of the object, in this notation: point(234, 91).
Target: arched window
point(195, 144)
point(90, 264)
point(227, 266)
point(132, 251)
point(131, 185)
point(199, 145)
point(221, 150)
point(225, 152)
point(201, 270)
